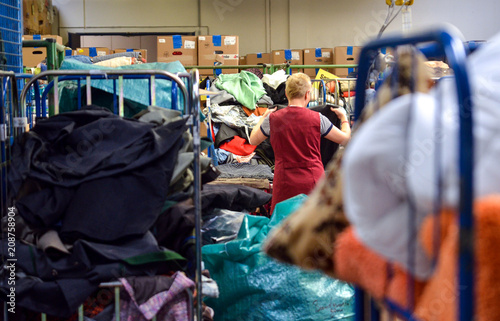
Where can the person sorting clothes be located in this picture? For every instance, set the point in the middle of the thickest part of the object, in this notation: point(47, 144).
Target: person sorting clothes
point(295, 133)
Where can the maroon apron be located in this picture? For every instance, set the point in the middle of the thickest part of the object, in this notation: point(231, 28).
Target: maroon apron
point(295, 136)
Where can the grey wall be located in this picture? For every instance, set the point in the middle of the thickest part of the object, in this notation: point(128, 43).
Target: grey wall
point(263, 25)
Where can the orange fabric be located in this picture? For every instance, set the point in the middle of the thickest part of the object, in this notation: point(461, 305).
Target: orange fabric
point(259, 111)
point(356, 263)
point(437, 298)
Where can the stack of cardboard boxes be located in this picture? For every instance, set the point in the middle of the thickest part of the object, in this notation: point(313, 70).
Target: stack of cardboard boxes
point(217, 50)
point(200, 51)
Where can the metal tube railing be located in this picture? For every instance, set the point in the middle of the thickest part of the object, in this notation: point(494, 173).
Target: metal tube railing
point(448, 43)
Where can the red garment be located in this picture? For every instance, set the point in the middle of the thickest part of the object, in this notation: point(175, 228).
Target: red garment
point(295, 136)
point(238, 146)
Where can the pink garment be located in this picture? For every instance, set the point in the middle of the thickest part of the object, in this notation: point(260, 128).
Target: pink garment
point(170, 305)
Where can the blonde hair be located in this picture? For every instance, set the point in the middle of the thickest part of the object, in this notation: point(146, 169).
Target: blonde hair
point(297, 85)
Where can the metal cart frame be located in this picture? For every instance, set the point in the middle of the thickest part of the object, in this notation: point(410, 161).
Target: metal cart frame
point(186, 83)
point(447, 43)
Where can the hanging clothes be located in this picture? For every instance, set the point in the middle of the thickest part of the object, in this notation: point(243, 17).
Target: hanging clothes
point(295, 134)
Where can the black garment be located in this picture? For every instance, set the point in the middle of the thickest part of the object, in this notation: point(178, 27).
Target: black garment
point(227, 133)
point(58, 287)
point(74, 147)
point(232, 197)
point(266, 152)
point(277, 95)
point(95, 261)
point(328, 148)
point(96, 196)
point(175, 225)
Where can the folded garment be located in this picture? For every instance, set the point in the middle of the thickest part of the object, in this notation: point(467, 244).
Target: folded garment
point(245, 170)
point(260, 183)
point(132, 54)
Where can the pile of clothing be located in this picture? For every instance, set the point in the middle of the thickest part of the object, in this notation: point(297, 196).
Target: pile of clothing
point(99, 197)
point(240, 100)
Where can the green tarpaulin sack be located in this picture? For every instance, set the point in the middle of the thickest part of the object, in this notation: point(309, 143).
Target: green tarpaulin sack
point(254, 286)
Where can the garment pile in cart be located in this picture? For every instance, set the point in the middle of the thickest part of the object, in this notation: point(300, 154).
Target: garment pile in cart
point(101, 198)
point(239, 102)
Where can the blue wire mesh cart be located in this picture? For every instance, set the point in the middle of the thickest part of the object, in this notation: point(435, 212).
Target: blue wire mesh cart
point(11, 36)
point(438, 43)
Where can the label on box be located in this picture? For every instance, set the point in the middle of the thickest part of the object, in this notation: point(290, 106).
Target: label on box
point(229, 41)
point(101, 53)
point(230, 56)
point(277, 53)
point(306, 51)
point(217, 40)
point(201, 38)
point(189, 44)
point(295, 55)
point(326, 54)
point(177, 41)
point(161, 40)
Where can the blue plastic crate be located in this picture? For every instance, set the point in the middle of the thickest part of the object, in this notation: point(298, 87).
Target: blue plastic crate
point(11, 58)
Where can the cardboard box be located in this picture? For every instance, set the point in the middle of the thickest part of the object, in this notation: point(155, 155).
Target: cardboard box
point(345, 55)
point(258, 58)
point(294, 57)
point(177, 48)
point(243, 61)
point(33, 56)
point(92, 51)
point(317, 56)
point(211, 46)
point(144, 52)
